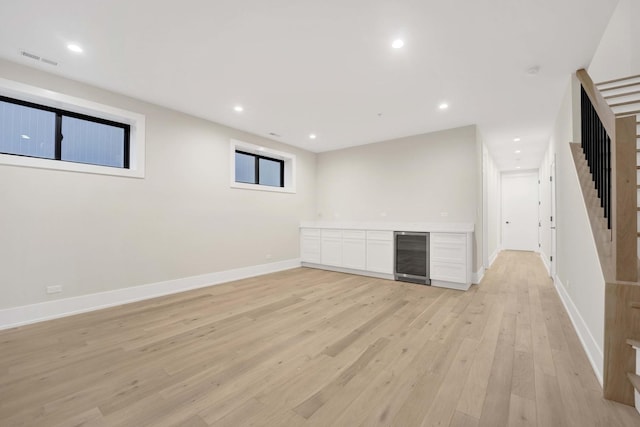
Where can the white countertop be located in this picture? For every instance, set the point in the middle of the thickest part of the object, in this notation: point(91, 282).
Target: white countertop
point(436, 227)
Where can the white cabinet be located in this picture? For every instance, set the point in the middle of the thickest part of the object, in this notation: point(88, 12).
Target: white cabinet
point(347, 249)
point(380, 251)
point(448, 257)
point(331, 247)
point(310, 245)
point(353, 249)
point(366, 250)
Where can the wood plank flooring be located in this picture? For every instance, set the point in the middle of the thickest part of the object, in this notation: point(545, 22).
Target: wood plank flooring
point(314, 348)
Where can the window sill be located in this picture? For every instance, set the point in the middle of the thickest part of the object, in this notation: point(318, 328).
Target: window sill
point(34, 162)
point(257, 187)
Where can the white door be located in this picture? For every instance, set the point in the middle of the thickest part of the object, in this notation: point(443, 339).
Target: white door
point(520, 211)
point(552, 182)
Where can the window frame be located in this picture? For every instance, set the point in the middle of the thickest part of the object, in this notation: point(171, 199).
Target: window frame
point(287, 171)
point(86, 110)
point(59, 137)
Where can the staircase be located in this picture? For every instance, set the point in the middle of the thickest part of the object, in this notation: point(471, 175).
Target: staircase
point(608, 159)
point(623, 96)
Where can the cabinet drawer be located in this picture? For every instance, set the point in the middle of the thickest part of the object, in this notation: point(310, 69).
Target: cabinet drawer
point(310, 232)
point(449, 247)
point(353, 234)
point(451, 238)
point(332, 234)
point(448, 252)
point(448, 271)
point(380, 235)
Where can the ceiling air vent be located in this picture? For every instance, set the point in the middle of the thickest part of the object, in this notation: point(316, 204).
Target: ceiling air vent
point(49, 61)
point(29, 55)
point(38, 58)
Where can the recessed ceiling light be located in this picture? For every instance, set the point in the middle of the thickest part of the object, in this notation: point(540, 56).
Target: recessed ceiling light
point(260, 148)
point(517, 151)
point(443, 106)
point(516, 139)
point(25, 137)
point(238, 109)
point(517, 167)
point(397, 43)
point(74, 48)
point(312, 136)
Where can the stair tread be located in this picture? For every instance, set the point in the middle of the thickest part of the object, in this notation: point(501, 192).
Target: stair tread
point(604, 89)
point(620, 95)
point(621, 79)
point(635, 380)
point(620, 104)
point(633, 342)
point(628, 113)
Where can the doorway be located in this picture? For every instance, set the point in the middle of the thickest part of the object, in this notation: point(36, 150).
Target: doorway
point(520, 211)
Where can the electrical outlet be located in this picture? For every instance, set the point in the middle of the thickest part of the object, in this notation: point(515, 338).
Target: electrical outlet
point(443, 214)
point(54, 289)
point(268, 256)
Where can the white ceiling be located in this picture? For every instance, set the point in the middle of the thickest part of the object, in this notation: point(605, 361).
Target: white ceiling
point(327, 66)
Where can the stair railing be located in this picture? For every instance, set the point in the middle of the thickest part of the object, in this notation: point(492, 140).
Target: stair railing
point(609, 145)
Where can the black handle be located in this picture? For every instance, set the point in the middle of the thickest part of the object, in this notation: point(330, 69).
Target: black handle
point(507, 222)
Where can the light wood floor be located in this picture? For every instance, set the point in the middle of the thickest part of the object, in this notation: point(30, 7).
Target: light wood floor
point(314, 348)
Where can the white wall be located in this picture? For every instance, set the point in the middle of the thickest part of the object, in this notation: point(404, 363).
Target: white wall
point(544, 210)
point(579, 278)
point(94, 233)
point(417, 178)
point(618, 54)
point(492, 207)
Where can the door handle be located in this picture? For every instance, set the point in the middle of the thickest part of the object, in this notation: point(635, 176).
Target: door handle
point(507, 222)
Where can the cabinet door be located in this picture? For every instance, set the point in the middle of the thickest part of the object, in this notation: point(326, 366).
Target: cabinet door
point(354, 254)
point(331, 251)
point(380, 256)
point(310, 249)
point(310, 245)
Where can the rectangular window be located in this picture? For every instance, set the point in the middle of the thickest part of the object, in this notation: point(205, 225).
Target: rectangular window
point(34, 130)
point(256, 169)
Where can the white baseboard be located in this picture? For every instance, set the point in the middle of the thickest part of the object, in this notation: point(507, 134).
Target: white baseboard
point(545, 261)
point(451, 285)
point(349, 271)
point(594, 352)
point(24, 315)
point(477, 276)
point(493, 257)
